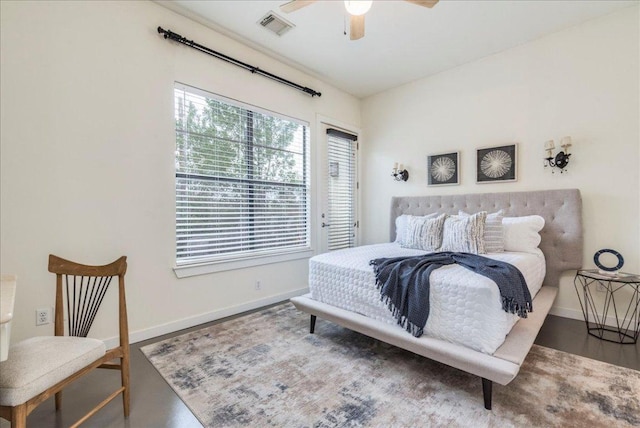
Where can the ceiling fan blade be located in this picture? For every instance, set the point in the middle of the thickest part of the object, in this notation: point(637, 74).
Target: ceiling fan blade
point(425, 3)
point(294, 5)
point(356, 27)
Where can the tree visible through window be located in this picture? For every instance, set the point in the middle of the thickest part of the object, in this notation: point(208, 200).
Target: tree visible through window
point(242, 181)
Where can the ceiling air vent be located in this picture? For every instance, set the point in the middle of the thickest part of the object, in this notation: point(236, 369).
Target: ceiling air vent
point(275, 23)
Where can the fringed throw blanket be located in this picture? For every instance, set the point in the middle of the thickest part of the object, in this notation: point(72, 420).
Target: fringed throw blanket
point(404, 284)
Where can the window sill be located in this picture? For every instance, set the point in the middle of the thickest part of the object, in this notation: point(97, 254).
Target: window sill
point(224, 265)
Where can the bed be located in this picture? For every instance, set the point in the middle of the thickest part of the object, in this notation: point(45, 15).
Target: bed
point(561, 244)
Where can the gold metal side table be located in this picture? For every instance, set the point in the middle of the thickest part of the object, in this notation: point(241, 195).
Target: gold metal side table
point(627, 317)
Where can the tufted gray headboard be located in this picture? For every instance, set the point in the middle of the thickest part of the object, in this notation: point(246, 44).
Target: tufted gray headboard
point(561, 209)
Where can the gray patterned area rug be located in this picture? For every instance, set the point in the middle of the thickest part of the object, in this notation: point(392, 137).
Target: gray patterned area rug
point(265, 369)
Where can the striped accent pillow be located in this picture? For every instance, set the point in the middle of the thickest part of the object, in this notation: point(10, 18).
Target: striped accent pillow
point(424, 233)
point(402, 223)
point(493, 232)
point(464, 234)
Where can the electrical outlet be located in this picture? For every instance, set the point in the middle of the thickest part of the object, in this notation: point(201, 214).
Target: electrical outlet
point(43, 316)
point(258, 285)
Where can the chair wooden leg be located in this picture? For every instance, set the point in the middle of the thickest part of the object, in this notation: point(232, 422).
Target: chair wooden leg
point(58, 401)
point(126, 396)
point(19, 416)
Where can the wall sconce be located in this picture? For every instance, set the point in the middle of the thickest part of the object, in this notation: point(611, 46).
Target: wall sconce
point(561, 160)
point(399, 173)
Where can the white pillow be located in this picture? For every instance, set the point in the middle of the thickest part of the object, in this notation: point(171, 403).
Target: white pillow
point(493, 231)
point(424, 233)
point(521, 233)
point(401, 227)
point(464, 233)
point(402, 223)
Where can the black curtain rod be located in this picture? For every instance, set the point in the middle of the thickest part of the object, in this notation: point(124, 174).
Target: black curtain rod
point(168, 34)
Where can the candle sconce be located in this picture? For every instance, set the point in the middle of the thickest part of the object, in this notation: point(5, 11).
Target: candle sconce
point(399, 173)
point(561, 160)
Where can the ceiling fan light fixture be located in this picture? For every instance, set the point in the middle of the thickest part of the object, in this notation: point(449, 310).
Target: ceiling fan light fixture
point(358, 7)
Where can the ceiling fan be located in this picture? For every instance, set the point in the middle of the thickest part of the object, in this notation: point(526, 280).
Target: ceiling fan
point(356, 10)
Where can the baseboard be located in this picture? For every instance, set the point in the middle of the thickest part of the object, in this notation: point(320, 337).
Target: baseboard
point(566, 313)
point(577, 315)
point(149, 333)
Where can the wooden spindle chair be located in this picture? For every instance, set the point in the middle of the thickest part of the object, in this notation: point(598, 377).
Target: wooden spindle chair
point(27, 378)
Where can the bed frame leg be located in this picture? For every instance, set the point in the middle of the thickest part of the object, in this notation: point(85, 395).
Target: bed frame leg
point(313, 324)
point(486, 392)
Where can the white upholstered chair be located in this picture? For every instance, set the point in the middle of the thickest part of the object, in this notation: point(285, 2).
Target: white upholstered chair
point(7, 299)
point(40, 367)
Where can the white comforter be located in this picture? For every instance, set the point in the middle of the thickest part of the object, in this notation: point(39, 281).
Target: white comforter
point(465, 306)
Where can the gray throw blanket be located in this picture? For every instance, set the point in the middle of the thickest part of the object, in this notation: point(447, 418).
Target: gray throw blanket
point(404, 284)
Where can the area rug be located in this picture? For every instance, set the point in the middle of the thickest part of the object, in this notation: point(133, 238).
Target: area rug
point(265, 369)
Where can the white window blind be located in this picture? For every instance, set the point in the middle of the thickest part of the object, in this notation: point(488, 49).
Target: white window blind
point(242, 180)
point(341, 180)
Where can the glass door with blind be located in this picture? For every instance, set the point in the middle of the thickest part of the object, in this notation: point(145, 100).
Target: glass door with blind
point(338, 219)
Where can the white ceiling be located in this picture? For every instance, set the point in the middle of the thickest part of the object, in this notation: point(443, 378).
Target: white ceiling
point(403, 42)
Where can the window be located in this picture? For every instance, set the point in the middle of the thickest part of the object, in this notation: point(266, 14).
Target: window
point(242, 180)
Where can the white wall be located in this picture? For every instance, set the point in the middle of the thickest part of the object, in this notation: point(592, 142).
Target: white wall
point(582, 82)
point(87, 155)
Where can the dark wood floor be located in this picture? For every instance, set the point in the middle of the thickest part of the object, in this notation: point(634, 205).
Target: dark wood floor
point(155, 405)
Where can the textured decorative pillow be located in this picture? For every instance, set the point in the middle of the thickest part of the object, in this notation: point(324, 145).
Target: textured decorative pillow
point(522, 233)
point(464, 234)
point(402, 223)
point(424, 233)
point(493, 232)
